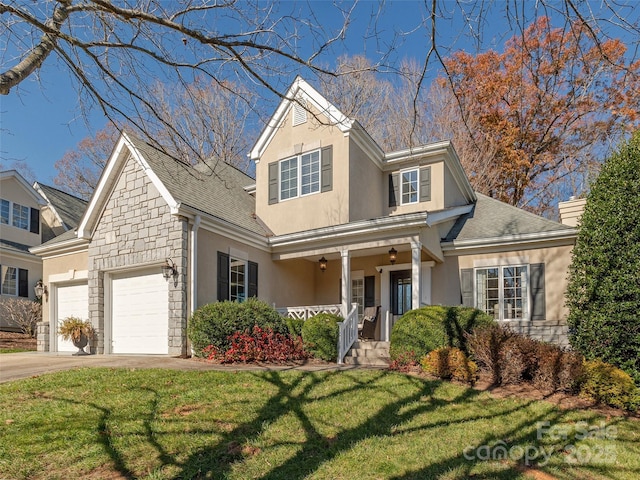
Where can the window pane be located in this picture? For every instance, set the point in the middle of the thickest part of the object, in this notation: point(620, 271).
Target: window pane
point(310, 169)
point(515, 292)
point(357, 294)
point(289, 178)
point(237, 280)
point(410, 186)
point(487, 291)
point(4, 212)
point(9, 281)
point(20, 216)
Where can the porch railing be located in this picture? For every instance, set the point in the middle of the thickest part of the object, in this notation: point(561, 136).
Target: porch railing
point(306, 312)
point(348, 332)
point(348, 328)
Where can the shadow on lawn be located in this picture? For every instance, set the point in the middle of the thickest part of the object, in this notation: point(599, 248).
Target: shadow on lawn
point(295, 392)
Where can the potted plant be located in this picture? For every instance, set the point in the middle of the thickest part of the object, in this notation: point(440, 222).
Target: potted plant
point(78, 331)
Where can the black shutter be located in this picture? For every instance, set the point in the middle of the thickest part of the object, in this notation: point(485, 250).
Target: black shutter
point(23, 282)
point(326, 178)
point(370, 291)
point(223, 276)
point(538, 309)
point(394, 189)
point(273, 182)
point(253, 280)
point(466, 286)
point(35, 221)
point(425, 184)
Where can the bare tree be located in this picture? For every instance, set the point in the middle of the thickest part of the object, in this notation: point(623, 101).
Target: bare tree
point(22, 313)
point(208, 124)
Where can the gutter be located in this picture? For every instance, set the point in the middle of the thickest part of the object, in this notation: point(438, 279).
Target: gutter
point(194, 263)
point(558, 235)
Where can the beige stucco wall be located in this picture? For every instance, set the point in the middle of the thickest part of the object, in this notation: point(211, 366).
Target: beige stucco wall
point(366, 186)
point(68, 264)
point(446, 284)
point(285, 283)
point(453, 197)
point(311, 211)
point(437, 190)
point(12, 190)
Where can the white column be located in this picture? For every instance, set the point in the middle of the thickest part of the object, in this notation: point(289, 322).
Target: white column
point(426, 282)
point(346, 282)
point(416, 274)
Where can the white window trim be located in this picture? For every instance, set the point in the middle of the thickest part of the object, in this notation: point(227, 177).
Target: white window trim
point(298, 157)
point(3, 269)
point(501, 265)
point(246, 277)
point(10, 224)
point(400, 178)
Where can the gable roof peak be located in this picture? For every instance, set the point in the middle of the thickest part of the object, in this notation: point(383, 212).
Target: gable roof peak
point(300, 90)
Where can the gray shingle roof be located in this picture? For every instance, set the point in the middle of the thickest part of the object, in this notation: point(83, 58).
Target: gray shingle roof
point(491, 218)
point(14, 246)
point(69, 207)
point(220, 193)
point(68, 235)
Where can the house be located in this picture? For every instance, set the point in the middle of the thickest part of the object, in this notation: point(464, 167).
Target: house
point(330, 222)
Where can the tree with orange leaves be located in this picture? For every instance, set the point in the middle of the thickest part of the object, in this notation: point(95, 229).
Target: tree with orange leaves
point(546, 108)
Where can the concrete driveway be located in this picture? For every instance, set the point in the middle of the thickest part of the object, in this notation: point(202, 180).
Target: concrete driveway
point(15, 366)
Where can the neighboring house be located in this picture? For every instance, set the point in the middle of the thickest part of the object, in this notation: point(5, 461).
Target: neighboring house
point(330, 219)
point(27, 218)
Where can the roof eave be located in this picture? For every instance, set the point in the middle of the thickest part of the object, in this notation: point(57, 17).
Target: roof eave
point(566, 235)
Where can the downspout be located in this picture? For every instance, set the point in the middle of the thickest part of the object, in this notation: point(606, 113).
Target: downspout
point(194, 263)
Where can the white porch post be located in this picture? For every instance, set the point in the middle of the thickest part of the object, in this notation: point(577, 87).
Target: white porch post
point(426, 282)
point(346, 282)
point(416, 274)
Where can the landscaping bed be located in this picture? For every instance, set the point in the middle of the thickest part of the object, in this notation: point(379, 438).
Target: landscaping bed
point(16, 342)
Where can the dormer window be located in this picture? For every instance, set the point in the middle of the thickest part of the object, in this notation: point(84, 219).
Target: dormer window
point(300, 175)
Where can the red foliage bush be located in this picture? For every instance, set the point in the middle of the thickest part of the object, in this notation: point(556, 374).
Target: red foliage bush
point(259, 346)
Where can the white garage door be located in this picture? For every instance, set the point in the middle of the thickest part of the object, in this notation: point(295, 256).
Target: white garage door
point(71, 301)
point(140, 313)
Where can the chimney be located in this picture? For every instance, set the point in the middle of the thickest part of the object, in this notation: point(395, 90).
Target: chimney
point(571, 211)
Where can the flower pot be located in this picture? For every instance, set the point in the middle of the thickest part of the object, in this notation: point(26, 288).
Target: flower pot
point(80, 343)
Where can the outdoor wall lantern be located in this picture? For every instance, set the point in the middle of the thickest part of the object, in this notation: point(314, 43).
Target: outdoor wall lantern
point(169, 269)
point(40, 289)
point(323, 264)
point(393, 255)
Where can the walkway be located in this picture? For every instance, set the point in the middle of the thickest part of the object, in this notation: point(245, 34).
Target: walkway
point(14, 366)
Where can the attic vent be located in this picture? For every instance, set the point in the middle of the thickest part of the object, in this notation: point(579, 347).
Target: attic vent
point(299, 113)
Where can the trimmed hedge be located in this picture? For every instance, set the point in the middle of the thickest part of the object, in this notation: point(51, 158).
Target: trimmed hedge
point(320, 335)
point(214, 323)
point(450, 362)
point(420, 331)
point(608, 384)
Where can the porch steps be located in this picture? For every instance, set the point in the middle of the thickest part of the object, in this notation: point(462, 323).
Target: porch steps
point(369, 353)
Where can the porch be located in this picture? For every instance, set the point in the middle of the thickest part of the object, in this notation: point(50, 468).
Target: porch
point(352, 348)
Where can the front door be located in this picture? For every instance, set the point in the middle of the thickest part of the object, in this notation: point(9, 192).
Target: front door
point(400, 292)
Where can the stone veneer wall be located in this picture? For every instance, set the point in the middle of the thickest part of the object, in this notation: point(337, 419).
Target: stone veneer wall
point(551, 331)
point(135, 230)
point(42, 337)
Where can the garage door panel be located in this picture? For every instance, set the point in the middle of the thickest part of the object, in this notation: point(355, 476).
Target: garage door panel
point(71, 301)
point(140, 313)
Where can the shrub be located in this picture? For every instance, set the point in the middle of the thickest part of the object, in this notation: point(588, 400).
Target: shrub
point(23, 313)
point(512, 358)
point(603, 294)
point(295, 326)
point(259, 346)
point(214, 323)
point(449, 362)
point(557, 369)
point(608, 384)
point(320, 335)
point(405, 362)
point(423, 330)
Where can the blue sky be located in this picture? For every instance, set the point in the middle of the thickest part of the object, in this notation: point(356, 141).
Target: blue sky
point(41, 119)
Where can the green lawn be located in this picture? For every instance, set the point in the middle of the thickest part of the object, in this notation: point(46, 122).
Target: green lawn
point(358, 424)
